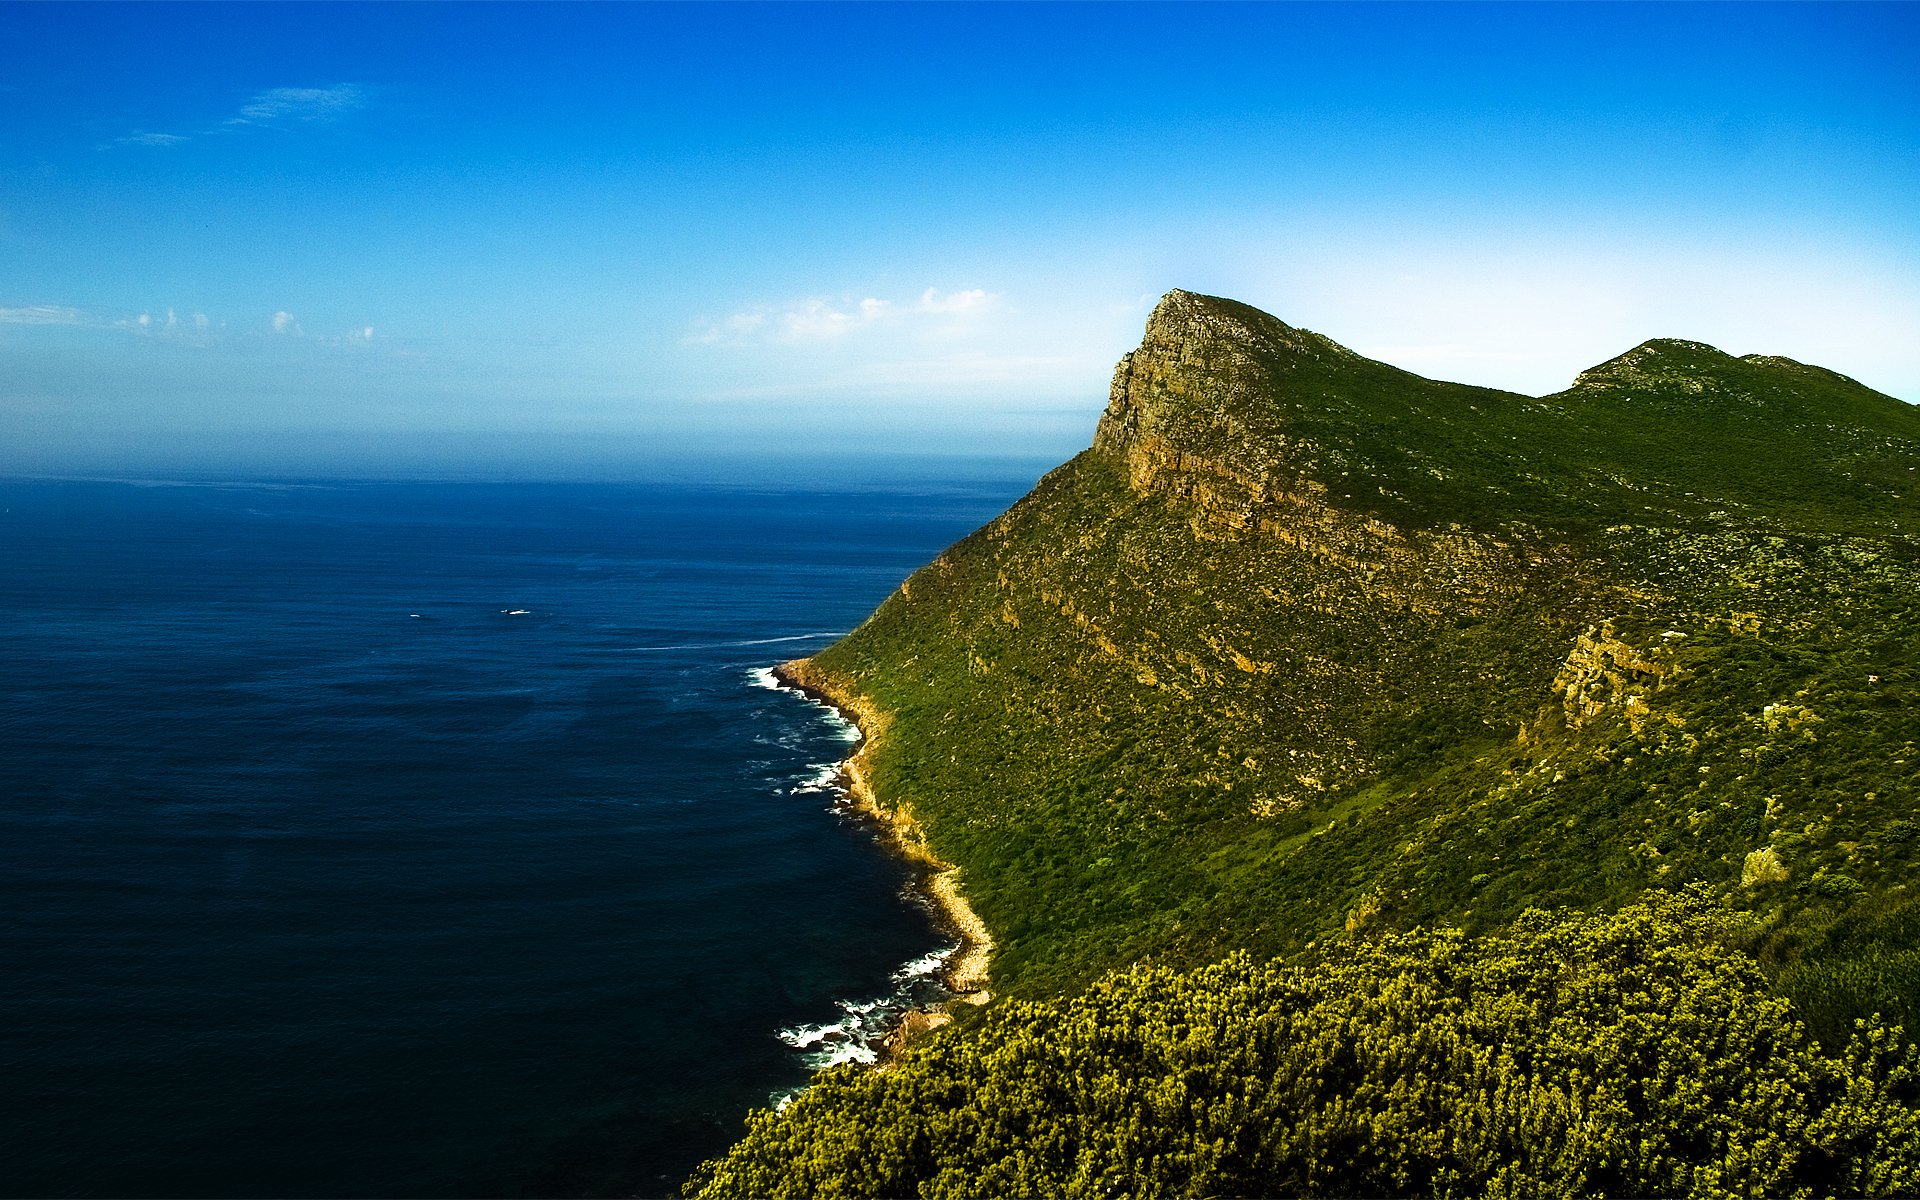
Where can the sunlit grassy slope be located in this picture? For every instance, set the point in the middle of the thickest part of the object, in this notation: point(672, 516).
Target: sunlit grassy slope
point(1308, 644)
point(1307, 648)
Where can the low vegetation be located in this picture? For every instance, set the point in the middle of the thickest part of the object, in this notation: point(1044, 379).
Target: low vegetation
point(1635, 1054)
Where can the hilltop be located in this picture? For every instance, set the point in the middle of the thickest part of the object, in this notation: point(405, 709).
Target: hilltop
point(1307, 652)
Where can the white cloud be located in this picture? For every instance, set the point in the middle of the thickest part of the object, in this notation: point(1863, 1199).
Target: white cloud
point(150, 139)
point(194, 330)
point(43, 314)
point(170, 324)
point(274, 107)
point(820, 319)
point(283, 104)
point(972, 300)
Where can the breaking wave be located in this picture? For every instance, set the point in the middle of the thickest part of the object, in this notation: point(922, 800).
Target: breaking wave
point(860, 1032)
point(843, 729)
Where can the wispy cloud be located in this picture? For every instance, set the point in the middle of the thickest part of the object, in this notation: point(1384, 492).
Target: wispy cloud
point(150, 139)
point(274, 108)
point(287, 105)
point(184, 327)
point(819, 319)
point(195, 327)
point(43, 314)
point(969, 301)
point(286, 324)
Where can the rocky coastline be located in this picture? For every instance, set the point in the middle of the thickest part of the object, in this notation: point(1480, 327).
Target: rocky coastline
point(966, 970)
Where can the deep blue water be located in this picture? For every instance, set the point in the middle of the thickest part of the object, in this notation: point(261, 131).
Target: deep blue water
point(428, 839)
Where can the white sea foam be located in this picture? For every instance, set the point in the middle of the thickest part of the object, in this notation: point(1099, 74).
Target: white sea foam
point(926, 966)
point(825, 778)
point(851, 1052)
point(802, 1036)
point(856, 1037)
point(861, 1031)
point(823, 1046)
point(842, 728)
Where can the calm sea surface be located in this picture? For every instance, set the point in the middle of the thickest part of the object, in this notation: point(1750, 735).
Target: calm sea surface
point(430, 839)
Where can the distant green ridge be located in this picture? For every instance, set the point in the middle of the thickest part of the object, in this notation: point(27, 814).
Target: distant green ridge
point(1671, 428)
point(1307, 648)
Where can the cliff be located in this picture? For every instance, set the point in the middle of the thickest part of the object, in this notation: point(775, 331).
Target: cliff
point(1256, 731)
point(1306, 644)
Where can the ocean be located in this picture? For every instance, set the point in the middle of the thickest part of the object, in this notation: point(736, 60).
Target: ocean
point(433, 839)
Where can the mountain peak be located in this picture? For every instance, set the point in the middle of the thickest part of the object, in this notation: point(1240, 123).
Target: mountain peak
point(1658, 361)
point(1182, 318)
point(1211, 381)
point(1664, 361)
point(1222, 398)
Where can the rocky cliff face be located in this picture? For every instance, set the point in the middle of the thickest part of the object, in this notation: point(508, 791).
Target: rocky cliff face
point(1207, 389)
point(1192, 412)
point(1307, 646)
point(1211, 413)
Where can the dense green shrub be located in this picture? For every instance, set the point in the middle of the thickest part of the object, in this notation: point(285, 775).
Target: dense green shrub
point(1633, 1054)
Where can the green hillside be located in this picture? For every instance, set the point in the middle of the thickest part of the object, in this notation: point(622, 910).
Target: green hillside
point(1307, 649)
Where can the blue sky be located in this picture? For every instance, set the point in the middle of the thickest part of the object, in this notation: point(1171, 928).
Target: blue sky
point(604, 240)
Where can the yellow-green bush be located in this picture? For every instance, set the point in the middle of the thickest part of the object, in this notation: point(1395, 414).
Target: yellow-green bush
point(1638, 1053)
